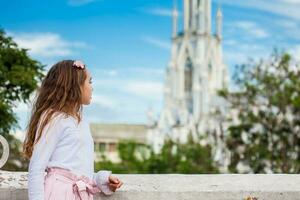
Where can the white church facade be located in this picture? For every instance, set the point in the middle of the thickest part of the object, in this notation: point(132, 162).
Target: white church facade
point(194, 75)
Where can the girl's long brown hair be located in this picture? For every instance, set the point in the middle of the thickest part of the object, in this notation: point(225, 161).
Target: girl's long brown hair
point(60, 91)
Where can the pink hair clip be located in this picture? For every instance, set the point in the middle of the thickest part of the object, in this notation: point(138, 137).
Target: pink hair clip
point(78, 64)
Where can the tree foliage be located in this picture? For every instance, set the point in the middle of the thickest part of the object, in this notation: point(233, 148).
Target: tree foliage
point(264, 133)
point(19, 77)
point(174, 157)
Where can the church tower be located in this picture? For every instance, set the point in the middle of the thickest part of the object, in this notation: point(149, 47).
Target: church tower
point(194, 73)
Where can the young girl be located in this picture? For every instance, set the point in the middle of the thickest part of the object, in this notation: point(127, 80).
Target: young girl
point(59, 142)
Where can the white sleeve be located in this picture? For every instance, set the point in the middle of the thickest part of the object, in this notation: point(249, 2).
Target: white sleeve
point(102, 180)
point(41, 155)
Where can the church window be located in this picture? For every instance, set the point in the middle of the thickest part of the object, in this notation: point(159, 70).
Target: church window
point(210, 67)
point(188, 71)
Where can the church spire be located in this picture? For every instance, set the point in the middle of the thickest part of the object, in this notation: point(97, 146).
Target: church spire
point(204, 17)
point(186, 22)
point(208, 17)
point(201, 20)
point(194, 14)
point(219, 23)
point(175, 17)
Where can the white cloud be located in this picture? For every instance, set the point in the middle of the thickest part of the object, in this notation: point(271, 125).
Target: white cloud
point(157, 42)
point(251, 28)
point(297, 2)
point(153, 72)
point(113, 77)
point(289, 29)
point(149, 90)
point(148, 85)
point(146, 89)
point(237, 52)
point(246, 40)
point(230, 42)
point(107, 72)
point(127, 94)
point(159, 11)
point(46, 44)
point(113, 72)
point(124, 99)
point(287, 23)
point(104, 101)
point(287, 8)
point(232, 57)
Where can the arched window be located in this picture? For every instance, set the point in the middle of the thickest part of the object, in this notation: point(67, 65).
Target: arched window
point(210, 68)
point(188, 75)
point(188, 84)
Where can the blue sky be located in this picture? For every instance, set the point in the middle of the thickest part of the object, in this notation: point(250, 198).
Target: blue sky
point(126, 44)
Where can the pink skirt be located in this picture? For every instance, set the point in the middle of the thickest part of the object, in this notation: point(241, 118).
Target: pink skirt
point(61, 184)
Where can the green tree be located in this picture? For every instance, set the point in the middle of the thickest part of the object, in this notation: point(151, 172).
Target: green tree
point(265, 133)
point(19, 77)
point(187, 158)
point(131, 155)
point(174, 157)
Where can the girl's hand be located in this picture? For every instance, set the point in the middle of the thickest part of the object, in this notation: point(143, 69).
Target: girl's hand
point(114, 183)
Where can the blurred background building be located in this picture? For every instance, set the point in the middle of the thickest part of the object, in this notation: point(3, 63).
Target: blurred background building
point(195, 73)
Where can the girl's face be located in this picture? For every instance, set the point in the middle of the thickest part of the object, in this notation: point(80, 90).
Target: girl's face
point(87, 89)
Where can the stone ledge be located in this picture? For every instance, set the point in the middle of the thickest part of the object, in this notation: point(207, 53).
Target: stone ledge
point(177, 186)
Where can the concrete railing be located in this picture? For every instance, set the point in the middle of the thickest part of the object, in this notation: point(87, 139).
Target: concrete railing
point(13, 186)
